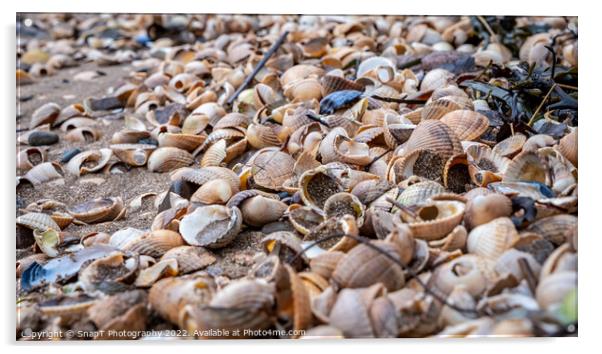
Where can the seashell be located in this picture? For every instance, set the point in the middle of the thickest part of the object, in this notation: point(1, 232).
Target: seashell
point(286, 245)
point(421, 162)
point(331, 83)
point(303, 219)
point(148, 276)
point(485, 166)
point(37, 221)
point(66, 309)
point(438, 108)
point(261, 136)
point(186, 142)
point(260, 210)
point(526, 166)
point(314, 283)
point(363, 266)
point(317, 185)
point(436, 136)
point(552, 290)
point(263, 95)
point(128, 136)
point(455, 240)
point(167, 159)
point(29, 158)
point(419, 193)
point(343, 203)
point(108, 275)
point(485, 208)
point(62, 219)
point(436, 78)
point(83, 135)
point(244, 305)
point(133, 154)
point(190, 258)
point(460, 297)
point(299, 72)
point(170, 296)
point(195, 124)
point(271, 168)
point(472, 272)
point(304, 90)
point(78, 122)
point(212, 226)
point(538, 141)
point(98, 210)
point(23, 78)
point(510, 146)
point(44, 172)
point(72, 110)
point(435, 219)
point(183, 81)
point(89, 161)
point(212, 110)
point(125, 312)
point(232, 120)
point(467, 125)
point(154, 243)
point(300, 302)
point(350, 313)
point(554, 228)
point(346, 150)
point(508, 262)
point(456, 174)
point(325, 263)
point(336, 229)
point(48, 241)
point(568, 147)
point(45, 114)
point(40, 138)
point(217, 191)
point(215, 154)
point(492, 239)
point(205, 174)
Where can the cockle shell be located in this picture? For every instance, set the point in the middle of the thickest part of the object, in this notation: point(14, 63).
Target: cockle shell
point(436, 219)
point(299, 72)
point(98, 210)
point(436, 78)
point(484, 208)
point(419, 193)
point(351, 311)
point(485, 166)
point(215, 154)
point(262, 135)
point(44, 172)
point(526, 166)
point(148, 276)
point(325, 263)
point(420, 162)
point(344, 203)
point(182, 141)
point(216, 191)
point(83, 135)
point(568, 147)
point(304, 219)
point(300, 302)
point(508, 262)
point(154, 243)
point(205, 174)
point(190, 258)
point(128, 136)
point(510, 146)
point(492, 239)
point(37, 221)
point(89, 161)
point(45, 114)
point(212, 226)
point(125, 312)
point(552, 290)
point(110, 274)
point(317, 185)
point(167, 159)
point(434, 135)
point(260, 210)
point(467, 125)
point(271, 168)
point(30, 157)
point(438, 108)
point(554, 228)
point(133, 154)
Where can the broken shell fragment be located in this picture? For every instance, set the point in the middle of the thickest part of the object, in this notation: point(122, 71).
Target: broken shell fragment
point(98, 210)
point(166, 159)
point(212, 226)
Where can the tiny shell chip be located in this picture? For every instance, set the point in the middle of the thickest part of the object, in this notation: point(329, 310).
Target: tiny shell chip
point(212, 226)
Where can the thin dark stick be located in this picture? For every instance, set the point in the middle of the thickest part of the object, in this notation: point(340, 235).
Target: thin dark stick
point(317, 118)
point(260, 65)
point(528, 273)
point(412, 275)
point(410, 64)
point(397, 100)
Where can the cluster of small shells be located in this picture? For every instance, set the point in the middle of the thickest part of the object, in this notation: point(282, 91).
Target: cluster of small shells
point(416, 181)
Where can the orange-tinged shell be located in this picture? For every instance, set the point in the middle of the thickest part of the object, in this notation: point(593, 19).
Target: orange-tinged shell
point(44, 172)
point(148, 276)
point(30, 157)
point(212, 226)
point(190, 258)
point(554, 228)
point(324, 264)
point(133, 154)
point(568, 147)
point(301, 307)
point(434, 135)
point(467, 125)
point(89, 161)
point(98, 210)
point(436, 219)
point(182, 141)
point(317, 185)
point(271, 168)
point(526, 166)
point(510, 146)
point(45, 114)
point(167, 159)
point(154, 243)
point(492, 239)
point(260, 210)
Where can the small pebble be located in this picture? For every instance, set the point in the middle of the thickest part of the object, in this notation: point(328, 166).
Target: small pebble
point(40, 138)
point(68, 155)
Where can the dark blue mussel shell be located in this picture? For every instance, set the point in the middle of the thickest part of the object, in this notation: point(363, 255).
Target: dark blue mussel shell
point(338, 100)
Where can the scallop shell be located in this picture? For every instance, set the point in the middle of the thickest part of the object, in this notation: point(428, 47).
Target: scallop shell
point(526, 166)
point(190, 258)
point(80, 164)
point(44, 172)
point(45, 114)
point(133, 154)
point(271, 168)
point(467, 125)
point(30, 157)
point(212, 226)
point(167, 159)
point(363, 266)
point(98, 210)
point(436, 219)
point(492, 239)
point(510, 146)
point(434, 135)
point(568, 147)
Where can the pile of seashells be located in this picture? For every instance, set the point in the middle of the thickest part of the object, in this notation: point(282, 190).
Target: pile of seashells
point(390, 203)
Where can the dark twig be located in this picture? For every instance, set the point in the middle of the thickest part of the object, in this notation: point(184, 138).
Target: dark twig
point(317, 118)
point(410, 64)
point(397, 100)
point(260, 65)
point(528, 273)
point(439, 297)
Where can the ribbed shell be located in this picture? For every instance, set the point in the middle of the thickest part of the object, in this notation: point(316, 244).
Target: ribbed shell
point(437, 219)
point(190, 258)
point(44, 172)
point(182, 141)
point(324, 264)
point(439, 108)
point(492, 239)
point(419, 193)
point(167, 159)
point(45, 114)
point(215, 154)
point(526, 166)
point(133, 154)
point(510, 146)
point(434, 135)
point(467, 125)
point(205, 174)
point(99, 157)
point(568, 147)
point(271, 168)
point(302, 315)
point(37, 221)
point(554, 228)
point(155, 243)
